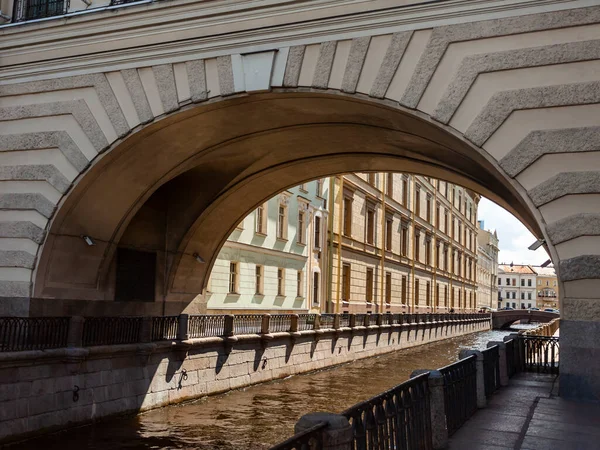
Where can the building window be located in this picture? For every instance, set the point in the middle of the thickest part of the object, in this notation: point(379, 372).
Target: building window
point(437, 295)
point(280, 282)
point(459, 201)
point(303, 187)
point(514, 281)
point(347, 216)
point(261, 219)
point(529, 296)
point(404, 290)
point(529, 282)
point(427, 294)
point(428, 204)
point(233, 277)
point(371, 178)
point(446, 222)
point(417, 292)
point(459, 298)
point(437, 216)
point(418, 200)
point(404, 249)
point(417, 246)
point(437, 254)
point(452, 298)
point(282, 222)
point(522, 295)
point(540, 283)
point(522, 282)
point(508, 281)
point(319, 191)
point(428, 250)
point(300, 284)
point(369, 296)
point(390, 185)
point(370, 226)
point(259, 280)
point(445, 296)
point(459, 232)
point(388, 287)
point(404, 191)
point(446, 266)
point(301, 231)
point(388, 234)
point(316, 288)
point(346, 282)
point(317, 232)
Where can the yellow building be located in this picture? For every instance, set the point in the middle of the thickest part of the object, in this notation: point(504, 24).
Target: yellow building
point(402, 243)
point(547, 287)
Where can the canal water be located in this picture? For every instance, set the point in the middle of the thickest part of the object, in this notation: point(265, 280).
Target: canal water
point(256, 417)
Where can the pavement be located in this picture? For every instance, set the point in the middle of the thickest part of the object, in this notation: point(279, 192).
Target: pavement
point(527, 414)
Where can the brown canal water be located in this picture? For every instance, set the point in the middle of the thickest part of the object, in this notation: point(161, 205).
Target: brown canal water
point(258, 416)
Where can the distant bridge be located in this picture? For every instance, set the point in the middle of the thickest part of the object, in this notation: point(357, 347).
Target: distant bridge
point(503, 319)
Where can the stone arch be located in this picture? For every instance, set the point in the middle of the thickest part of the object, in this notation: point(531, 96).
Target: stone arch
point(521, 92)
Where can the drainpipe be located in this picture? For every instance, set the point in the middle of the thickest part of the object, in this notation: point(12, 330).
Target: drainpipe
point(339, 256)
point(330, 210)
point(412, 266)
point(383, 238)
point(437, 248)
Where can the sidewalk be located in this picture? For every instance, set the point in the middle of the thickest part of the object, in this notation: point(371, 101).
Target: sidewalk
point(528, 415)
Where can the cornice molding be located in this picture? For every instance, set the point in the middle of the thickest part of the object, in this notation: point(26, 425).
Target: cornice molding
point(179, 31)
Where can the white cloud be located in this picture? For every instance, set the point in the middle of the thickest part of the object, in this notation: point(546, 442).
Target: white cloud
point(514, 237)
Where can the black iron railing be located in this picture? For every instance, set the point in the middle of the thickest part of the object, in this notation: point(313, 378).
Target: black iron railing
point(326, 321)
point(539, 354)
point(247, 324)
point(165, 328)
point(38, 9)
point(309, 439)
point(491, 369)
point(206, 326)
point(344, 320)
point(399, 418)
point(111, 330)
point(32, 333)
point(460, 392)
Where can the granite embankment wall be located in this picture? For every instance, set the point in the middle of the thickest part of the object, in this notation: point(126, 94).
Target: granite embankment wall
point(51, 389)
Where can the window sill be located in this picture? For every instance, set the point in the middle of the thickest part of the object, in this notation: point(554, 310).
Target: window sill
point(280, 239)
point(301, 244)
point(299, 298)
point(233, 294)
point(260, 233)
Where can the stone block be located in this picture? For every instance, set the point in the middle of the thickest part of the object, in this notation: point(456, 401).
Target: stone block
point(13, 427)
point(33, 373)
point(15, 390)
point(42, 386)
point(154, 399)
point(41, 404)
point(13, 409)
point(218, 386)
point(136, 387)
point(91, 380)
point(240, 381)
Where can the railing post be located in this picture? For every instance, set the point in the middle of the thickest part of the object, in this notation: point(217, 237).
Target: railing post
point(75, 335)
point(352, 320)
point(502, 362)
point(317, 324)
point(182, 330)
point(228, 331)
point(366, 321)
point(264, 326)
point(437, 407)
point(294, 323)
point(336, 321)
point(336, 436)
point(479, 376)
point(146, 329)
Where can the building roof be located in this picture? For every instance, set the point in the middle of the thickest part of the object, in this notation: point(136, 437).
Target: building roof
point(516, 268)
point(544, 271)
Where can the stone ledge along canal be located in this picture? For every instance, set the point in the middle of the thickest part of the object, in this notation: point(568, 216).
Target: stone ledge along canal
point(262, 415)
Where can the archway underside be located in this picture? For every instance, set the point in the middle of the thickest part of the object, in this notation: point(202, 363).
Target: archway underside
point(180, 186)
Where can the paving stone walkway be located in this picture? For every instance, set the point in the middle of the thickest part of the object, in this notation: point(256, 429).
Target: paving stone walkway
point(528, 415)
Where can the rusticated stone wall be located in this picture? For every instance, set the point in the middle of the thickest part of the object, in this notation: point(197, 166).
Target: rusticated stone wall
point(52, 389)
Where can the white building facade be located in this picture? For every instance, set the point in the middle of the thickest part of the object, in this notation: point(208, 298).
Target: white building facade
point(517, 286)
point(276, 259)
point(487, 267)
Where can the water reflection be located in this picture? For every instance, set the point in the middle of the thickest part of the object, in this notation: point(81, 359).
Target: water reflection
point(258, 416)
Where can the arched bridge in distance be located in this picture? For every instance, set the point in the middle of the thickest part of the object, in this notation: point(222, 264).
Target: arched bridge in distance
point(504, 319)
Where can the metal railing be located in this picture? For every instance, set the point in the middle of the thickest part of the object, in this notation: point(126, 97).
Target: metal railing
point(280, 323)
point(206, 326)
point(491, 369)
point(165, 328)
point(38, 9)
point(33, 333)
point(306, 321)
point(247, 324)
point(539, 354)
point(111, 330)
point(399, 418)
point(326, 321)
point(309, 439)
point(511, 360)
point(460, 392)
point(344, 320)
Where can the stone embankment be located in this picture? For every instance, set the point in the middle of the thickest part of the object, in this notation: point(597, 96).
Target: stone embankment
point(42, 390)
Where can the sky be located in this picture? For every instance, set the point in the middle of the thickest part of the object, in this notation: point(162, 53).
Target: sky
point(514, 237)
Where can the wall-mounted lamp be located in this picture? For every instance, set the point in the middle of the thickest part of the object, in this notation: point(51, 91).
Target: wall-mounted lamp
point(88, 240)
point(547, 263)
point(199, 258)
point(537, 244)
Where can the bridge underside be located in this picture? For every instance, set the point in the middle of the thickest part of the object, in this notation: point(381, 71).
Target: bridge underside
point(108, 137)
point(504, 319)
